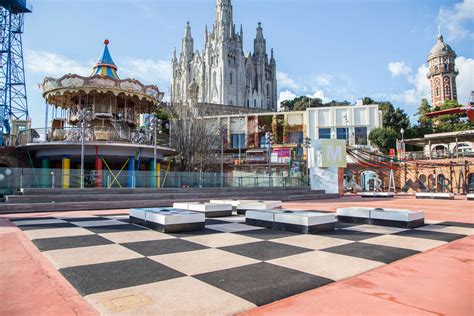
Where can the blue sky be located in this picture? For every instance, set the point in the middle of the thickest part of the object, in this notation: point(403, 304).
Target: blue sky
point(333, 49)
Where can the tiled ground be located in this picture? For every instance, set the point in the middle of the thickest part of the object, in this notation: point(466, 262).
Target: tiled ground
point(122, 268)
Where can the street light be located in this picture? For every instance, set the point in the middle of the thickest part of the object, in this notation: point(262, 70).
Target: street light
point(222, 131)
point(240, 146)
point(157, 126)
point(307, 144)
point(402, 131)
point(269, 139)
point(85, 116)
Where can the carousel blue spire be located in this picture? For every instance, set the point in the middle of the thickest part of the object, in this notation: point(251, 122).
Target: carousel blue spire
point(105, 66)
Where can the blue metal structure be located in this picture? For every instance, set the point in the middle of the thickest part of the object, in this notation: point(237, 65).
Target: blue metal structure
point(13, 100)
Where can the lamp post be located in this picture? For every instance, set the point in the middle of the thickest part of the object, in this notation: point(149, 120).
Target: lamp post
point(157, 126)
point(307, 146)
point(402, 131)
point(269, 139)
point(85, 116)
point(240, 146)
point(222, 133)
point(347, 129)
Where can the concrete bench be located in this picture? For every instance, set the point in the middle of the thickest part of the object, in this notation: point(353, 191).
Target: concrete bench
point(470, 197)
point(382, 217)
point(210, 210)
point(245, 206)
point(377, 194)
point(168, 220)
point(234, 203)
point(436, 196)
point(295, 221)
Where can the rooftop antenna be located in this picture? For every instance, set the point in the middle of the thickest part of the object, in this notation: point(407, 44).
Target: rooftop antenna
point(13, 101)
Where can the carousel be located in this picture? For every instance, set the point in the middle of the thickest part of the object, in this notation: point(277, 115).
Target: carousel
point(99, 123)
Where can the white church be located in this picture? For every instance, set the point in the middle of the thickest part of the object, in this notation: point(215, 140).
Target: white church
point(223, 74)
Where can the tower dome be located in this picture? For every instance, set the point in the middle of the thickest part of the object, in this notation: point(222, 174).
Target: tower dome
point(441, 48)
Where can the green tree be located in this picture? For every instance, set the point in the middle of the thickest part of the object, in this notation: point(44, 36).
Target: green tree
point(384, 139)
point(453, 122)
point(425, 124)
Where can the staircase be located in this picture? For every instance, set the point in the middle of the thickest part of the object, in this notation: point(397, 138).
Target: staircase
point(44, 200)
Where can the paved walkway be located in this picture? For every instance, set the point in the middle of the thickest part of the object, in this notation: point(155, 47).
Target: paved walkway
point(29, 284)
point(440, 281)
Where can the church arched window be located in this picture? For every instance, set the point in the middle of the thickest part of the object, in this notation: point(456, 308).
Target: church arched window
point(231, 78)
point(437, 91)
point(255, 103)
point(268, 90)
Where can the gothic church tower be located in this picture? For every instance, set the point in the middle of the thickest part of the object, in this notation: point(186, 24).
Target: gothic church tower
point(222, 74)
point(442, 73)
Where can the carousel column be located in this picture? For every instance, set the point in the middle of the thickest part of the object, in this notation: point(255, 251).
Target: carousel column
point(45, 173)
point(98, 171)
point(66, 169)
point(131, 172)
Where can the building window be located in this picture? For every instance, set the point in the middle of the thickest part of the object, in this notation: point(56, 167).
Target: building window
point(238, 141)
point(446, 90)
point(231, 79)
point(268, 90)
point(324, 133)
point(341, 133)
point(361, 135)
point(248, 103)
point(255, 103)
point(295, 138)
point(437, 91)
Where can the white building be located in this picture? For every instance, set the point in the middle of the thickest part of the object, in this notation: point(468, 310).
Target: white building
point(222, 74)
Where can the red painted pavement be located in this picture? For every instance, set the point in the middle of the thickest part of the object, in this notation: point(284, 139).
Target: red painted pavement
point(29, 284)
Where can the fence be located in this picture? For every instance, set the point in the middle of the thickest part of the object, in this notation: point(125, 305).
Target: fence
point(13, 179)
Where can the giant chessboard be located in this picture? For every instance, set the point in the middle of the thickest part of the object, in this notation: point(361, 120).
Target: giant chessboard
point(228, 267)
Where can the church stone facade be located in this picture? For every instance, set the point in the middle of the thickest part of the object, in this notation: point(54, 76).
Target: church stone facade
point(222, 74)
point(442, 73)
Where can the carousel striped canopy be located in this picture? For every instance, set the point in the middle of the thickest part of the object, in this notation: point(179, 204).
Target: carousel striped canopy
point(105, 66)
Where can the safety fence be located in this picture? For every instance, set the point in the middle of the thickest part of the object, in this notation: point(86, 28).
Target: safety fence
point(13, 179)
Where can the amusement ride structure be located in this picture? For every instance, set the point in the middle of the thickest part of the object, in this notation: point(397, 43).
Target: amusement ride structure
point(13, 101)
point(98, 121)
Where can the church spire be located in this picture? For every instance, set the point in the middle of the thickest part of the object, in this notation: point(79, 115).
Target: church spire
point(187, 46)
point(260, 45)
point(224, 16)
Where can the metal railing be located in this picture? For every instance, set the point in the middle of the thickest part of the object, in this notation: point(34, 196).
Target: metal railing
point(141, 136)
point(14, 179)
point(437, 154)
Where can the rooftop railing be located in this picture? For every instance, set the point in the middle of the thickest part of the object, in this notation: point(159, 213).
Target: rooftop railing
point(140, 136)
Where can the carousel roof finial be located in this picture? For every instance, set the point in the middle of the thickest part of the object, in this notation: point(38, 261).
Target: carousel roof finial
point(105, 66)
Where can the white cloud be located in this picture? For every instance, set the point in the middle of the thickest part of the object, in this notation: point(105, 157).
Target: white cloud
point(284, 81)
point(148, 71)
point(320, 95)
point(420, 89)
point(465, 79)
point(323, 80)
point(455, 20)
point(52, 64)
point(285, 96)
point(398, 68)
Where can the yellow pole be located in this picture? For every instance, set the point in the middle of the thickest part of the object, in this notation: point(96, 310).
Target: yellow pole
point(66, 167)
point(158, 175)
